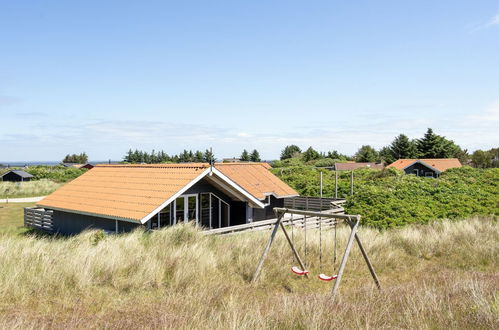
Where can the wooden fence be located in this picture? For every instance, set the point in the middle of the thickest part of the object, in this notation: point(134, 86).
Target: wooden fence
point(312, 203)
point(38, 218)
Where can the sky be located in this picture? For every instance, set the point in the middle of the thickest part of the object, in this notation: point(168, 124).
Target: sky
point(106, 76)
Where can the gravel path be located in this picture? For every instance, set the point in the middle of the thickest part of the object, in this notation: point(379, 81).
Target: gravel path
point(23, 200)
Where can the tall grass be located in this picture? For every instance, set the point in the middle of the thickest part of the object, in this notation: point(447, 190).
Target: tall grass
point(27, 189)
point(436, 276)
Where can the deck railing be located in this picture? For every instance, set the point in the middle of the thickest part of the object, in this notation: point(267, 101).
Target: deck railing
point(38, 218)
point(298, 221)
point(312, 203)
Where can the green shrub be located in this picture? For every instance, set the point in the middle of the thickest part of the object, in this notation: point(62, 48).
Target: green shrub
point(55, 173)
point(388, 198)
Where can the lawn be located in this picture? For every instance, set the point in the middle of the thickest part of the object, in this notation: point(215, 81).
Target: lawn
point(440, 275)
point(12, 217)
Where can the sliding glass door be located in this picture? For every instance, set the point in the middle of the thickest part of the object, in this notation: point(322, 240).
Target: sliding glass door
point(186, 209)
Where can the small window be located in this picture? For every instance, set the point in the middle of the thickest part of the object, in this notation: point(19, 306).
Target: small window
point(415, 171)
point(429, 174)
point(267, 201)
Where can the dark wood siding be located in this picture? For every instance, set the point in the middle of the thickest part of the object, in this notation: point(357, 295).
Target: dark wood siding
point(71, 223)
point(268, 211)
point(422, 170)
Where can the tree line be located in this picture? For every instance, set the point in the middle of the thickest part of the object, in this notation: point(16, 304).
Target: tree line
point(431, 145)
point(76, 158)
point(187, 156)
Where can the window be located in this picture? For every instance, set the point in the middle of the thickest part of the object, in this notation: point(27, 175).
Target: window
point(267, 201)
point(429, 174)
point(415, 171)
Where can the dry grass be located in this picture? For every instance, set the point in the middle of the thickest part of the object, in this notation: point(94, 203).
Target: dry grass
point(27, 189)
point(443, 275)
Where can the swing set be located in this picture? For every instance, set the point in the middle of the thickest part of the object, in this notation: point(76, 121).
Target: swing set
point(301, 270)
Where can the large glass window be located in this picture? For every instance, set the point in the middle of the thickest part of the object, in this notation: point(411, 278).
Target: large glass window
point(179, 210)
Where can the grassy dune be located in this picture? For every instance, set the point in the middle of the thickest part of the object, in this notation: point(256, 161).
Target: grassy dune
point(28, 189)
point(441, 275)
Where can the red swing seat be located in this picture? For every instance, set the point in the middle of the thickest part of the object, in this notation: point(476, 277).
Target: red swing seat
point(324, 277)
point(298, 271)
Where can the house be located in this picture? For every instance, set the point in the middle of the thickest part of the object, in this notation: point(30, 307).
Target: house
point(16, 176)
point(425, 167)
point(119, 198)
point(353, 166)
point(231, 160)
point(75, 165)
point(88, 166)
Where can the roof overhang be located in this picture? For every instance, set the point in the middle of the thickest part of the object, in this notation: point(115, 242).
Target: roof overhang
point(279, 197)
point(89, 213)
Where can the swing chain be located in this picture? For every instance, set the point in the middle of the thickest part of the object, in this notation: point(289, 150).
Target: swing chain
point(335, 244)
point(320, 244)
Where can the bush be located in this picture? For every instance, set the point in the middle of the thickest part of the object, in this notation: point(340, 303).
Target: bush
point(56, 173)
point(388, 198)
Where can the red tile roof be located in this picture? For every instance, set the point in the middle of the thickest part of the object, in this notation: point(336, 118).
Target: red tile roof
point(353, 166)
point(133, 192)
point(256, 179)
point(441, 164)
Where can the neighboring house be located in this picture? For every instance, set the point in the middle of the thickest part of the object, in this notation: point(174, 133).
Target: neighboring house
point(353, 166)
point(87, 166)
point(231, 160)
point(16, 176)
point(75, 165)
point(119, 198)
point(425, 167)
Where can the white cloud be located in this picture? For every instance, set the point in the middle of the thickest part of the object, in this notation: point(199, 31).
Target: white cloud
point(491, 114)
point(494, 20)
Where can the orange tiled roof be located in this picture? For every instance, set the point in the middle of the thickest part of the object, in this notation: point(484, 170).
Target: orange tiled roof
point(440, 164)
point(256, 179)
point(134, 191)
point(123, 191)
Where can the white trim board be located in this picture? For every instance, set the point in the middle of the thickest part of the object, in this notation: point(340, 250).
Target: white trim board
point(212, 172)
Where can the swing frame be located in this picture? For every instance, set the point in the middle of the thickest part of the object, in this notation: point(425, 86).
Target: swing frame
point(353, 222)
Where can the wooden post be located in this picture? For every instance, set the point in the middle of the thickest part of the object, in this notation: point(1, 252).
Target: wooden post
point(368, 262)
point(335, 184)
point(345, 257)
point(321, 184)
point(267, 247)
point(351, 183)
point(293, 247)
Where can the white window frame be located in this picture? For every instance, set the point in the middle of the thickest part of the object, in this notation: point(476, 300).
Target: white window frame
point(186, 208)
point(267, 201)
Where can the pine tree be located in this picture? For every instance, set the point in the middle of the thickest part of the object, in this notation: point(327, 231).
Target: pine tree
point(386, 156)
point(366, 153)
point(290, 152)
point(403, 148)
point(436, 146)
point(208, 156)
point(198, 156)
point(245, 157)
point(255, 156)
point(310, 154)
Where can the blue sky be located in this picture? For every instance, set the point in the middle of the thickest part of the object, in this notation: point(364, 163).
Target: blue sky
point(106, 76)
